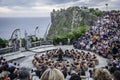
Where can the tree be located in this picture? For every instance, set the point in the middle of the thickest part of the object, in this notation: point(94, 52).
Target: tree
point(3, 43)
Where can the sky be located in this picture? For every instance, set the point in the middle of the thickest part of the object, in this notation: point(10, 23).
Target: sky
point(42, 8)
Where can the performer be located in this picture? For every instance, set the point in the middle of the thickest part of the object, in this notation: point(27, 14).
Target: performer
point(60, 54)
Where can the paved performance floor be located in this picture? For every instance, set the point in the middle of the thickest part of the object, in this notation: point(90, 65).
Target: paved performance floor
point(27, 61)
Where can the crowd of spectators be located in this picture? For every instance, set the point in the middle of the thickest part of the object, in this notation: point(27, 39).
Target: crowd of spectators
point(104, 37)
point(12, 71)
point(98, 74)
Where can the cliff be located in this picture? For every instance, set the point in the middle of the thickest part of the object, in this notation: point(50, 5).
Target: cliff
point(65, 20)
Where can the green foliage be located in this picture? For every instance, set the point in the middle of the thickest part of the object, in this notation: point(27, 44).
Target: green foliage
point(23, 42)
point(92, 10)
point(99, 13)
point(96, 12)
point(3, 42)
point(74, 34)
point(41, 39)
point(36, 38)
point(81, 30)
point(32, 39)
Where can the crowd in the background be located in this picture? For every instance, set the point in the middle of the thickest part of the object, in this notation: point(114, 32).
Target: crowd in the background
point(104, 37)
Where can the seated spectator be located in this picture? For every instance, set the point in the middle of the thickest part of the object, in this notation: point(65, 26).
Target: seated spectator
point(64, 71)
point(116, 75)
point(4, 76)
point(102, 74)
point(75, 76)
point(12, 74)
point(23, 74)
point(52, 74)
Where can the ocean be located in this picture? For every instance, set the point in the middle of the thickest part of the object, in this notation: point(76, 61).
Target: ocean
point(28, 24)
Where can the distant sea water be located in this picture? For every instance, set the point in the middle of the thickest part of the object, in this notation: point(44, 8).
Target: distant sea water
point(28, 24)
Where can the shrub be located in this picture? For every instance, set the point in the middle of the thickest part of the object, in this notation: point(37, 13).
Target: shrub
point(74, 34)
